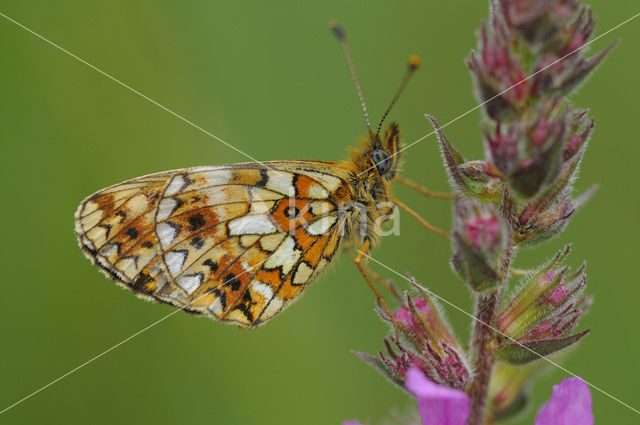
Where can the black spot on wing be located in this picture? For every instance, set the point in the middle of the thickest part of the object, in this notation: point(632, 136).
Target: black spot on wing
point(196, 221)
point(232, 281)
point(212, 266)
point(294, 182)
point(245, 306)
point(197, 243)
point(264, 178)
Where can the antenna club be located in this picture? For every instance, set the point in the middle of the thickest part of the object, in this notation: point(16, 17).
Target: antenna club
point(414, 61)
point(337, 29)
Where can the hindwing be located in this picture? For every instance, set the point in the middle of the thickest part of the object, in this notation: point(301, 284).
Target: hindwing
point(237, 243)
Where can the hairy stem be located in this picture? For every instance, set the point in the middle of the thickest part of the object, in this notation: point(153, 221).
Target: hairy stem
point(481, 345)
point(483, 342)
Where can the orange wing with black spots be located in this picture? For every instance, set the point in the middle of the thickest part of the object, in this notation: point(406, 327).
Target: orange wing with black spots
point(237, 243)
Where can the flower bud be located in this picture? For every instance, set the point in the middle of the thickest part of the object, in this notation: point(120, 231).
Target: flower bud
point(549, 213)
point(546, 291)
point(499, 77)
point(538, 155)
point(544, 224)
point(421, 320)
point(543, 312)
point(563, 67)
point(426, 343)
point(537, 21)
point(479, 240)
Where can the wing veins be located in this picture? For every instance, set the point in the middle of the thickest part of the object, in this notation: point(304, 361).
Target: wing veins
point(277, 291)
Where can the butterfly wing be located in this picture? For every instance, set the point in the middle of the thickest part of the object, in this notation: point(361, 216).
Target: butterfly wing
point(237, 243)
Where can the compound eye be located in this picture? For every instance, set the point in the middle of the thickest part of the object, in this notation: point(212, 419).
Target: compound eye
point(381, 158)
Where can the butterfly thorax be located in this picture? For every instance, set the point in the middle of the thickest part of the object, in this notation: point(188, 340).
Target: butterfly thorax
point(374, 166)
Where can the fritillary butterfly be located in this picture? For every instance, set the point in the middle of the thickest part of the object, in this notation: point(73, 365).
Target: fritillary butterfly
point(239, 243)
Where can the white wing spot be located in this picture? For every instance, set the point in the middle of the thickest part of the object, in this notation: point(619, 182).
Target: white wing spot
point(260, 194)
point(281, 182)
point(271, 242)
point(262, 289)
point(303, 273)
point(216, 307)
point(320, 207)
point(167, 232)
point(190, 282)
point(274, 307)
point(261, 207)
point(177, 184)
point(251, 225)
point(98, 235)
point(128, 266)
point(217, 177)
point(321, 226)
point(248, 240)
point(318, 192)
point(109, 249)
point(286, 256)
point(175, 261)
point(167, 207)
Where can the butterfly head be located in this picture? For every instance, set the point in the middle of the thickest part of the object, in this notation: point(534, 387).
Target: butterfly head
point(383, 154)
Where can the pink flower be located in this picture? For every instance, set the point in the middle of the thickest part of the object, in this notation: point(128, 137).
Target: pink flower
point(438, 405)
point(570, 404)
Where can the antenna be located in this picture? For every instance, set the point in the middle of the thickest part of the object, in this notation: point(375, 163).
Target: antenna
point(414, 63)
point(342, 38)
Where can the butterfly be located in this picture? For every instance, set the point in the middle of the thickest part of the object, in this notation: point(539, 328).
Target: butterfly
point(239, 243)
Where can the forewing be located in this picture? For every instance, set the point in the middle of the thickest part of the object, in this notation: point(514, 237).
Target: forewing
point(237, 243)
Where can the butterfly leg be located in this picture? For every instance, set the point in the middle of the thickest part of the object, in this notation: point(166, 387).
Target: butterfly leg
point(362, 268)
point(421, 220)
point(388, 285)
point(424, 190)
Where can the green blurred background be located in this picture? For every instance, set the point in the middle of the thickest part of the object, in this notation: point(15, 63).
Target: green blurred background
point(269, 78)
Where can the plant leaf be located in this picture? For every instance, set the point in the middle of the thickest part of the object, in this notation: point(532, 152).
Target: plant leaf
point(529, 351)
